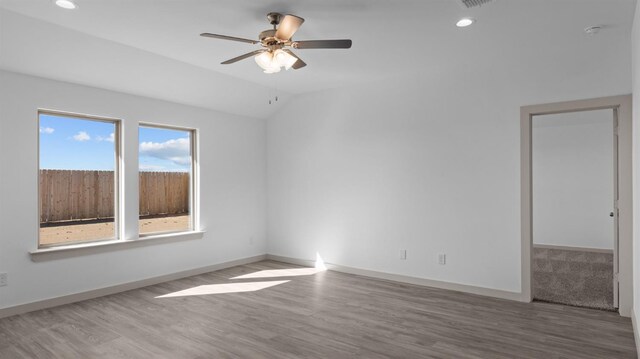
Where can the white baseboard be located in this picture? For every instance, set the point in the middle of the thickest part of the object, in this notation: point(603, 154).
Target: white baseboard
point(636, 335)
point(488, 292)
point(569, 248)
point(77, 297)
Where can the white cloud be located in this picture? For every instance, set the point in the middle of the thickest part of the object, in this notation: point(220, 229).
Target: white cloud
point(150, 168)
point(47, 130)
point(176, 151)
point(82, 136)
point(110, 138)
point(158, 168)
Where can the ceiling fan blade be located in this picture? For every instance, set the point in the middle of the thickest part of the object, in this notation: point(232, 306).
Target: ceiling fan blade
point(288, 26)
point(242, 57)
point(225, 37)
point(298, 64)
point(322, 44)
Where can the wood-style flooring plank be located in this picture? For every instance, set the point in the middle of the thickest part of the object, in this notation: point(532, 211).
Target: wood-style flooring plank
point(321, 315)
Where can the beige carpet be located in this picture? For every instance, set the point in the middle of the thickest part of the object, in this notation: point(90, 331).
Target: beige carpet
point(579, 278)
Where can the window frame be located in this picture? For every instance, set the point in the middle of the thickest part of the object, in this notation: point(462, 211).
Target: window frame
point(194, 220)
point(117, 176)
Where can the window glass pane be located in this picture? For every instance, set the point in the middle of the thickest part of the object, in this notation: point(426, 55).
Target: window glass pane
point(77, 180)
point(165, 180)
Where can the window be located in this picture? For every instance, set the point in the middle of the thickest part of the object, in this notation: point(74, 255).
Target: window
point(79, 186)
point(166, 179)
point(78, 178)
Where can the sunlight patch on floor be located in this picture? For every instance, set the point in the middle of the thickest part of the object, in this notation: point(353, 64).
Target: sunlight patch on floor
point(223, 288)
point(272, 273)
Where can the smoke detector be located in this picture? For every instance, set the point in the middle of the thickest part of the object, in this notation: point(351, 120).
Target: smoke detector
point(592, 30)
point(473, 3)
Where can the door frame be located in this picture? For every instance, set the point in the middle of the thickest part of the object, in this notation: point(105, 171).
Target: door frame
point(622, 105)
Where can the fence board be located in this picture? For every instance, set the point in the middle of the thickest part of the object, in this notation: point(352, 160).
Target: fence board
point(77, 195)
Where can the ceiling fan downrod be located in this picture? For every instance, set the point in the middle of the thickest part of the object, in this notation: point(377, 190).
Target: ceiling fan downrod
point(274, 19)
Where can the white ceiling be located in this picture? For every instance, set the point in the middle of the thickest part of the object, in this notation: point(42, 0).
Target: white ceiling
point(390, 38)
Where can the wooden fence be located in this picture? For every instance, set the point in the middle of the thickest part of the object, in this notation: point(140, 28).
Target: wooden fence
point(164, 193)
point(79, 195)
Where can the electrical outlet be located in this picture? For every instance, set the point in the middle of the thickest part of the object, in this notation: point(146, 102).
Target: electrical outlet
point(4, 277)
point(403, 254)
point(442, 259)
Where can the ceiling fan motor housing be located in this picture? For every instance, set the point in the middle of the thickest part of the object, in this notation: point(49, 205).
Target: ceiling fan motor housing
point(268, 37)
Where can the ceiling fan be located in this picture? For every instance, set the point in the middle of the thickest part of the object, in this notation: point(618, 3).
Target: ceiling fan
point(275, 53)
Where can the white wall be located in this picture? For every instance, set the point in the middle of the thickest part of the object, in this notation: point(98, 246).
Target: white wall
point(232, 176)
point(573, 179)
point(424, 163)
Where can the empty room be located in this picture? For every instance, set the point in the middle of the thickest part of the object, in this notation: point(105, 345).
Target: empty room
point(319, 179)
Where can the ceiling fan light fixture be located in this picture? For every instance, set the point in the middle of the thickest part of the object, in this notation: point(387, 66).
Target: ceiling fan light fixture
point(66, 4)
point(264, 60)
point(272, 70)
point(284, 59)
point(267, 62)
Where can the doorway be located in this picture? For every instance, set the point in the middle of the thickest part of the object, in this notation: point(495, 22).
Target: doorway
point(574, 191)
point(576, 203)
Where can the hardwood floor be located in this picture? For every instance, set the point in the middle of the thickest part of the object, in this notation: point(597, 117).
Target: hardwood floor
point(321, 315)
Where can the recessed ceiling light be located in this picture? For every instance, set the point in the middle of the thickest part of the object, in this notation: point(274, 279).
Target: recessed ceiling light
point(66, 4)
point(465, 21)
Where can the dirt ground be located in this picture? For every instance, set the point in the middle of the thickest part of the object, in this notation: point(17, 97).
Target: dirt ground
point(96, 231)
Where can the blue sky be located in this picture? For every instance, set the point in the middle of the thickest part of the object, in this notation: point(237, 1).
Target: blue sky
point(76, 144)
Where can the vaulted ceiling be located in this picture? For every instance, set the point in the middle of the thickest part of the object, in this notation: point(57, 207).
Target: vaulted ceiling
point(152, 47)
